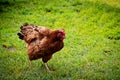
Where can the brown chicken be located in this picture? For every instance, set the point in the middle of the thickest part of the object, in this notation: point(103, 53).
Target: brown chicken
point(41, 42)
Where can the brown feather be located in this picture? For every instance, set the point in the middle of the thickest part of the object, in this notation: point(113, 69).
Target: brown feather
point(42, 42)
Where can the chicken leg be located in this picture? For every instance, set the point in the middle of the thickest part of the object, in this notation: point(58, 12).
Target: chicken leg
point(45, 59)
point(46, 66)
point(30, 62)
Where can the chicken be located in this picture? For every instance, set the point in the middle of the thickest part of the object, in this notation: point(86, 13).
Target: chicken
point(41, 42)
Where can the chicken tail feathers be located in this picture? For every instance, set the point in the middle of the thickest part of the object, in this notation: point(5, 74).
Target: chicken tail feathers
point(28, 33)
point(20, 36)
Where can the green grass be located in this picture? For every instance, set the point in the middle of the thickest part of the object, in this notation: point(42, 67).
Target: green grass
point(92, 44)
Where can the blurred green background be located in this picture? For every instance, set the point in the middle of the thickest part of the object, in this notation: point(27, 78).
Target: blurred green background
point(92, 44)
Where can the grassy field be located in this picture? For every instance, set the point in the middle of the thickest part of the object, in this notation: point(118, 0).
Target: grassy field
point(92, 44)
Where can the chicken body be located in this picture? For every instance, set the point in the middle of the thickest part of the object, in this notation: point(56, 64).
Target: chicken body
point(41, 42)
point(44, 48)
